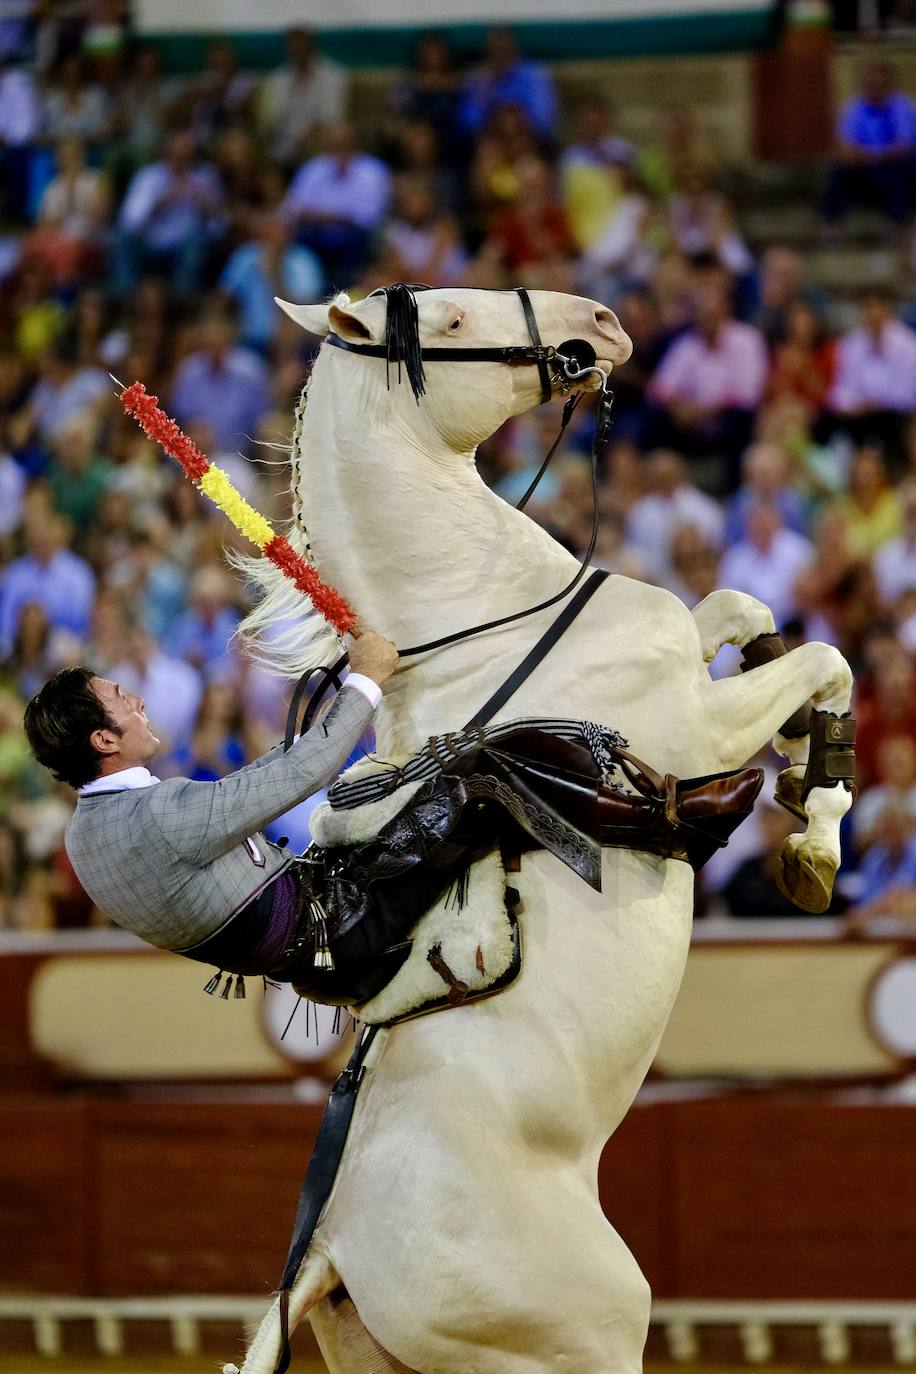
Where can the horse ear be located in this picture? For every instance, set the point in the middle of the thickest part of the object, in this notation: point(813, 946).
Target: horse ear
point(362, 323)
point(312, 318)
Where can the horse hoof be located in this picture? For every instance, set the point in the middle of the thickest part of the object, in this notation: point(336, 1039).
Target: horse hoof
point(788, 791)
point(805, 876)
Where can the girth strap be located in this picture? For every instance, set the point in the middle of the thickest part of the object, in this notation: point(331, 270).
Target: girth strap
point(319, 1179)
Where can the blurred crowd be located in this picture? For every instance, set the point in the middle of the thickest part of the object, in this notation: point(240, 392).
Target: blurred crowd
point(764, 436)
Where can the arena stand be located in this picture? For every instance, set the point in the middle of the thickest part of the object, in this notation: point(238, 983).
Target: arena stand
point(157, 191)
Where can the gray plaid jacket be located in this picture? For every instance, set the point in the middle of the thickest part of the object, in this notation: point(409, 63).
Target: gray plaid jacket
point(174, 862)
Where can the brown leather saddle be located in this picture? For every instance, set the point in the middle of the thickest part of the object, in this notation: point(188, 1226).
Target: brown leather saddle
point(528, 790)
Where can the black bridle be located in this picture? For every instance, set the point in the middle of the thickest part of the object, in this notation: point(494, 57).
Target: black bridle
point(560, 366)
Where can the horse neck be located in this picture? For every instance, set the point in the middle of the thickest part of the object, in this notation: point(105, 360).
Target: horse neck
point(405, 528)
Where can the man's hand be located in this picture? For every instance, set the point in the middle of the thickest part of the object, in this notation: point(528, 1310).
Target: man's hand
point(373, 655)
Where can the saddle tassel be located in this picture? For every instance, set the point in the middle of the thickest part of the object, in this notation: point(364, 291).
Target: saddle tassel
point(324, 959)
point(227, 988)
point(213, 984)
point(239, 985)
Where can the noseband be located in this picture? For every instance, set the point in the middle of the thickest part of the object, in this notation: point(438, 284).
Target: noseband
point(561, 366)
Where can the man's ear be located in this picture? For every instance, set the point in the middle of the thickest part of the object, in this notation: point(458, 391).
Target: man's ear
point(362, 323)
point(104, 741)
point(312, 318)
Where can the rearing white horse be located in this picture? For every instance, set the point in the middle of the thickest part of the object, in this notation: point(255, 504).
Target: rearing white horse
point(464, 1231)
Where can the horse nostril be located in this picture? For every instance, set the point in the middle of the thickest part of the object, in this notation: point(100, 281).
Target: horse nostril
point(607, 322)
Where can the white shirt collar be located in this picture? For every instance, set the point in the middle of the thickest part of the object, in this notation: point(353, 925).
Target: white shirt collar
point(123, 781)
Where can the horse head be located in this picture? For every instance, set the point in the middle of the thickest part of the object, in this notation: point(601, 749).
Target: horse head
point(464, 398)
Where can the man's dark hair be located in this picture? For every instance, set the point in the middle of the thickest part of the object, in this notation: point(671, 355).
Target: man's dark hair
point(59, 721)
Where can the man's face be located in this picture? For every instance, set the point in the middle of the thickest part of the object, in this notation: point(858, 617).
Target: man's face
point(136, 743)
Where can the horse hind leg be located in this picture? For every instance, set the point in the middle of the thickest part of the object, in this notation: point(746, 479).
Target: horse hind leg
point(347, 1347)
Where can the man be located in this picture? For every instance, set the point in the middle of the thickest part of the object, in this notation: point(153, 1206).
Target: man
point(874, 386)
point(170, 217)
point(184, 864)
point(710, 381)
point(876, 141)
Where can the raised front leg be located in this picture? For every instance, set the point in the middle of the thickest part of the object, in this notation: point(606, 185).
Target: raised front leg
point(727, 617)
point(749, 710)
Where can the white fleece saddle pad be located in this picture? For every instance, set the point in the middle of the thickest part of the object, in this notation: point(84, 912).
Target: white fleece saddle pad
point(473, 933)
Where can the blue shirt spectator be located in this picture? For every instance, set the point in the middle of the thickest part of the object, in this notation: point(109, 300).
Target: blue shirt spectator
point(891, 863)
point(506, 78)
point(50, 575)
point(266, 267)
point(222, 387)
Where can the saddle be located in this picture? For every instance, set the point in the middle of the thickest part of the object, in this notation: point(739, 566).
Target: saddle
point(528, 790)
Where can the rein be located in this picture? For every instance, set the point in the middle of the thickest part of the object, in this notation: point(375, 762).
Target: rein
point(572, 361)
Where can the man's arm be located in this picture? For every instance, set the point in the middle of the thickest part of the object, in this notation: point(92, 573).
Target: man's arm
point(203, 820)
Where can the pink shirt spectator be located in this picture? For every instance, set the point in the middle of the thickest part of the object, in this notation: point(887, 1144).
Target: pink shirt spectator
point(875, 375)
point(730, 372)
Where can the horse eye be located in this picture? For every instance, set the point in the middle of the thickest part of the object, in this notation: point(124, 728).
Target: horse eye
point(456, 323)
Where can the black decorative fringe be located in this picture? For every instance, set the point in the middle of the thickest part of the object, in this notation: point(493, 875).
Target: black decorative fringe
point(213, 984)
point(227, 988)
point(402, 338)
point(239, 985)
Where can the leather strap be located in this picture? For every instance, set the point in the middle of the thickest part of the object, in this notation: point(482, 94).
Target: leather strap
point(328, 675)
point(319, 1179)
point(764, 649)
point(541, 649)
point(535, 333)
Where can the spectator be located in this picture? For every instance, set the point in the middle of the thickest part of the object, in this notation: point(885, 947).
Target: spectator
point(680, 144)
point(803, 362)
point(299, 99)
point(20, 122)
point(504, 77)
point(598, 142)
point(336, 201)
point(223, 96)
point(779, 288)
point(201, 636)
point(170, 218)
point(421, 242)
point(870, 509)
point(75, 107)
point(874, 388)
point(217, 745)
point(428, 93)
point(533, 232)
point(79, 476)
point(170, 687)
point(222, 386)
point(894, 789)
point(31, 662)
point(752, 890)
point(504, 145)
point(875, 144)
point(622, 255)
point(268, 265)
point(894, 560)
point(701, 221)
point(12, 490)
point(671, 503)
point(71, 217)
point(767, 561)
point(765, 470)
point(888, 870)
point(65, 389)
point(49, 574)
point(143, 111)
point(710, 380)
